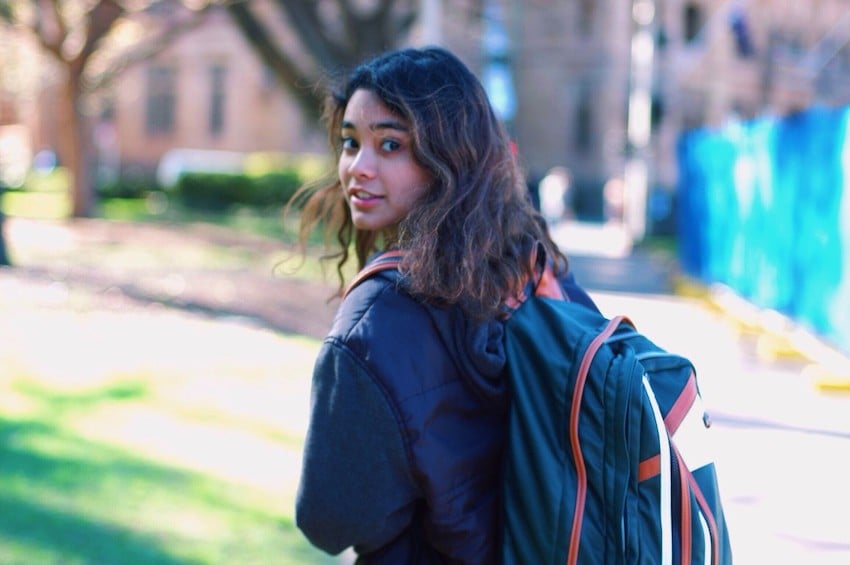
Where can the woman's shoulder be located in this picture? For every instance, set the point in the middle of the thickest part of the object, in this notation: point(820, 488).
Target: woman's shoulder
point(393, 334)
point(379, 306)
point(396, 340)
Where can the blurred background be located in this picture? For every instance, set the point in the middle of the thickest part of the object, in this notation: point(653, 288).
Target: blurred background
point(719, 125)
point(147, 149)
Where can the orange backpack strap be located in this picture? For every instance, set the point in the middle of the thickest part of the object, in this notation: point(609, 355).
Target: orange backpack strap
point(383, 262)
point(545, 282)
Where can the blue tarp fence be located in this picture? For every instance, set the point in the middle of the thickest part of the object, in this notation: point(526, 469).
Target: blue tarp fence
point(764, 208)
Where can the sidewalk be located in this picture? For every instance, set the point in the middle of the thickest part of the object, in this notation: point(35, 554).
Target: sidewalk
point(604, 260)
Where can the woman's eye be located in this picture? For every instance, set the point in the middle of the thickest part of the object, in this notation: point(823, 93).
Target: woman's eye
point(347, 142)
point(390, 145)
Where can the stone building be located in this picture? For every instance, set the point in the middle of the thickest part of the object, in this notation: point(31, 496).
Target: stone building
point(713, 61)
point(208, 91)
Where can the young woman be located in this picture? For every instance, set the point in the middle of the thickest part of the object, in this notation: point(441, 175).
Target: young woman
point(409, 407)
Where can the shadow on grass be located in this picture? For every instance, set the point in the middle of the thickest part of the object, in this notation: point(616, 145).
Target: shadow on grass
point(283, 306)
point(68, 500)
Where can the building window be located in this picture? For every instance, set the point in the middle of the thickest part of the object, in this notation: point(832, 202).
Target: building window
point(161, 99)
point(693, 106)
point(107, 108)
point(270, 79)
point(584, 121)
point(740, 25)
point(844, 60)
point(587, 10)
point(693, 21)
point(218, 76)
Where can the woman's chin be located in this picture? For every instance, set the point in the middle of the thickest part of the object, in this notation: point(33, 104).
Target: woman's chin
point(369, 223)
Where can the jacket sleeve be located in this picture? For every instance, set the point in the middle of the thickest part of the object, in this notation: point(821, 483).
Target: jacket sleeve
point(356, 488)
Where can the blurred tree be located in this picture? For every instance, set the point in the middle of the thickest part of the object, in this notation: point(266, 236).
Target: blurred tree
point(4, 255)
point(92, 41)
point(333, 35)
point(740, 26)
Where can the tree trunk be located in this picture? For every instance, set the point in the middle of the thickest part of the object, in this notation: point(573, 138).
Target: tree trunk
point(4, 255)
point(74, 144)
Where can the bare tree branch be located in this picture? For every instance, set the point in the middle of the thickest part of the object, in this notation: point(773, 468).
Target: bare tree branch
point(52, 43)
point(148, 48)
point(331, 45)
point(293, 78)
point(99, 19)
point(313, 34)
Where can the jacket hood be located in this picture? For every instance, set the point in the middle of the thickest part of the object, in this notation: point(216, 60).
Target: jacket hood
point(478, 349)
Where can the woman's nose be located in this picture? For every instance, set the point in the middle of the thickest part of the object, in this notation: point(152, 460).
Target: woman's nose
point(363, 164)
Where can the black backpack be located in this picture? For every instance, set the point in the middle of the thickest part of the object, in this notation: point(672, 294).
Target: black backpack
point(607, 459)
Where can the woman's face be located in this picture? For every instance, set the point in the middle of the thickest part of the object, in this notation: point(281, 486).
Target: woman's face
point(381, 180)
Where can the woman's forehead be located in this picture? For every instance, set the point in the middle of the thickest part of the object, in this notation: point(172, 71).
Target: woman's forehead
point(366, 109)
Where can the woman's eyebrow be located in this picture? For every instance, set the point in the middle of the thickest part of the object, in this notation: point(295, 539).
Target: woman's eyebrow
point(387, 124)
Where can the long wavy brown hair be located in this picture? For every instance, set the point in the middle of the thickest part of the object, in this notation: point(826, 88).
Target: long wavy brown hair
point(469, 240)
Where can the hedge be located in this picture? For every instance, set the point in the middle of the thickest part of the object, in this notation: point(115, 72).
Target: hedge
point(219, 191)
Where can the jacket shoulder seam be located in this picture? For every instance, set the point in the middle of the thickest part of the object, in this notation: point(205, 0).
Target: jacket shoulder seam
point(343, 347)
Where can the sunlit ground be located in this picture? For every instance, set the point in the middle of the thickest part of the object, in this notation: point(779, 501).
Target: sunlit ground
point(145, 434)
point(136, 434)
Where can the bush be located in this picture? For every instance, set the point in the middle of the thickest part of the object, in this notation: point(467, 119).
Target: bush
point(211, 191)
point(219, 191)
point(274, 188)
point(127, 187)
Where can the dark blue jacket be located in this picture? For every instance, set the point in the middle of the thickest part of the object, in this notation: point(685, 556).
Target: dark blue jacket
point(409, 414)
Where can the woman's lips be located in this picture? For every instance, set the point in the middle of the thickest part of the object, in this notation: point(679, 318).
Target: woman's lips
point(363, 198)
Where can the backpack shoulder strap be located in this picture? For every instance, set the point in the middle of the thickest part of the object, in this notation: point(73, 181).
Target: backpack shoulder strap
point(544, 283)
point(385, 261)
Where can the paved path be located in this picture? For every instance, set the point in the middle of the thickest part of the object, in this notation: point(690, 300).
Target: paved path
point(602, 259)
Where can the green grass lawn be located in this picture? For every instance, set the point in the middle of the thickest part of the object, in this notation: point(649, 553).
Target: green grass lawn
point(49, 201)
point(145, 435)
point(149, 437)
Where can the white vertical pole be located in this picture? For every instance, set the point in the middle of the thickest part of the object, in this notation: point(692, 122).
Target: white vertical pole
point(636, 174)
point(431, 14)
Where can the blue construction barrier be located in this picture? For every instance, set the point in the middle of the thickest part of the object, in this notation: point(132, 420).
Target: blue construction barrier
point(764, 208)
